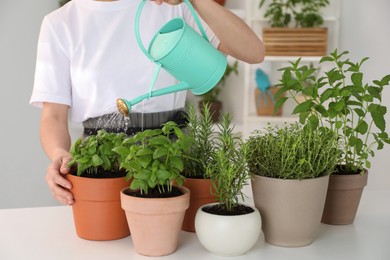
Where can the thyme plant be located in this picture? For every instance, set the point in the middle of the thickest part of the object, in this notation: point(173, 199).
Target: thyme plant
point(292, 151)
point(343, 102)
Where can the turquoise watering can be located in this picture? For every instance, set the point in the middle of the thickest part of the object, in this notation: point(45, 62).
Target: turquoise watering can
point(182, 52)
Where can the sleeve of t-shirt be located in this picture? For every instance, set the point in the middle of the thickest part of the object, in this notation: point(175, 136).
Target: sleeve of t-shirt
point(52, 71)
point(189, 18)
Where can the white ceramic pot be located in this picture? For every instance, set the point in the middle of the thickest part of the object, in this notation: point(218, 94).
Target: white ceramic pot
point(227, 235)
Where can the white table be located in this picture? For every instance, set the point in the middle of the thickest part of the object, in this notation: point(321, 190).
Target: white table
point(48, 233)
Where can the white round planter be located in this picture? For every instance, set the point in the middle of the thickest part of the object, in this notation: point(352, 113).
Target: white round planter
point(227, 235)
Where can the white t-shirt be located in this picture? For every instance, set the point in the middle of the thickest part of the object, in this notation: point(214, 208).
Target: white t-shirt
point(88, 57)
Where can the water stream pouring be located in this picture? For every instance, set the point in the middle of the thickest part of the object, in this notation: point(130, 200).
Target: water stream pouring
point(187, 56)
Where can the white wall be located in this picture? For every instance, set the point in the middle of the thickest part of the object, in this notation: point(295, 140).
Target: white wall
point(364, 32)
point(23, 162)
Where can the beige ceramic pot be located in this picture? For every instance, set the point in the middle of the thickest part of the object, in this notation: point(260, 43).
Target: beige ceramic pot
point(343, 198)
point(97, 209)
point(291, 210)
point(155, 223)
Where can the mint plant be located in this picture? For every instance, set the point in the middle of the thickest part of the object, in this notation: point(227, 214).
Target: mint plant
point(342, 101)
point(153, 158)
point(94, 152)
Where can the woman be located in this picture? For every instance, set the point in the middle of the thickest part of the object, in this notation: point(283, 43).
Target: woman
point(88, 57)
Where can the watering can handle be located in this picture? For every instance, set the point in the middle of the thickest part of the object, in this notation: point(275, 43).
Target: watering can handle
point(138, 14)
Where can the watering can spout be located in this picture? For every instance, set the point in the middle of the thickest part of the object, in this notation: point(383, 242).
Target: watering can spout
point(124, 106)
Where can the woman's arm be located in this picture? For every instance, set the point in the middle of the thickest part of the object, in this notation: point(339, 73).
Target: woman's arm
point(237, 39)
point(56, 142)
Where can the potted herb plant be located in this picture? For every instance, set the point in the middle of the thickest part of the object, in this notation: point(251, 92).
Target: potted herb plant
point(228, 227)
point(294, 28)
point(197, 158)
point(155, 202)
point(212, 96)
point(290, 166)
point(96, 182)
point(351, 108)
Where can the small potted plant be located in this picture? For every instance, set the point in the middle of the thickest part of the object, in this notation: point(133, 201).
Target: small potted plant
point(351, 108)
point(155, 202)
point(294, 27)
point(197, 158)
point(212, 96)
point(228, 227)
point(290, 167)
point(96, 182)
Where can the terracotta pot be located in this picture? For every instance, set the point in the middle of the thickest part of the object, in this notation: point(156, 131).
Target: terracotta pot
point(215, 110)
point(264, 103)
point(221, 2)
point(291, 210)
point(228, 235)
point(155, 223)
point(343, 198)
point(201, 194)
point(97, 210)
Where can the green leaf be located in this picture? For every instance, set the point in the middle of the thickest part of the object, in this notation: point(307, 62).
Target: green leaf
point(160, 140)
point(143, 175)
point(303, 116)
point(303, 107)
point(177, 163)
point(322, 110)
point(326, 58)
point(375, 92)
point(313, 121)
point(326, 95)
point(357, 79)
point(145, 160)
point(163, 174)
point(377, 114)
point(359, 112)
point(362, 127)
point(280, 102)
point(144, 151)
point(160, 152)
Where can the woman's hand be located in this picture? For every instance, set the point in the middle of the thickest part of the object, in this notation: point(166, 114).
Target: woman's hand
point(58, 184)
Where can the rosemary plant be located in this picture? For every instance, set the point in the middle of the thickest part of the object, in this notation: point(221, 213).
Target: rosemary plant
point(229, 169)
point(200, 129)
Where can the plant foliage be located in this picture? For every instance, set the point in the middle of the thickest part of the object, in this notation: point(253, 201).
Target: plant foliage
point(229, 169)
point(153, 158)
point(200, 128)
point(305, 13)
point(342, 101)
point(292, 151)
point(95, 151)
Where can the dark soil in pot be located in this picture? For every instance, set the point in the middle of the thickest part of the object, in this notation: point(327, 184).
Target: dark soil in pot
point(222, 210)
point(99, 173)
point(155, 193)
